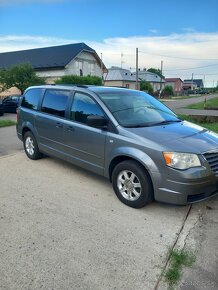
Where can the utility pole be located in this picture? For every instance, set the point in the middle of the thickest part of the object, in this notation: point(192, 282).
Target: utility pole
point(161, 78)
point(192, 81)
point(137, 69)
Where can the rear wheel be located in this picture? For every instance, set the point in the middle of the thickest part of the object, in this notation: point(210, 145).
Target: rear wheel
point(132, 184)
point(31, 147)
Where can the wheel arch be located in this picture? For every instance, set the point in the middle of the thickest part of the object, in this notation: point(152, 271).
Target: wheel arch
point(120, 158)
point(26, 128)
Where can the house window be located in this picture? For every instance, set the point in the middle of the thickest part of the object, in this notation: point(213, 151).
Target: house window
point(79, 68)
point(91, 68)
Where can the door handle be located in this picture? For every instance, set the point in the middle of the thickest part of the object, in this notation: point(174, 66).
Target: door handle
point(59, 125)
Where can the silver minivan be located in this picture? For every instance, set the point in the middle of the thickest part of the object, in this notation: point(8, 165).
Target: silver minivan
point(128, 136)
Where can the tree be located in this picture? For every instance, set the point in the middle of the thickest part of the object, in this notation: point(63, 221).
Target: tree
point(79, 80)
point(147, 87)
point(168, 91)
point(156, 71)
point(21, 76)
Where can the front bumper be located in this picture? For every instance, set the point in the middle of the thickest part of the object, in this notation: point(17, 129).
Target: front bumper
point(184, 187)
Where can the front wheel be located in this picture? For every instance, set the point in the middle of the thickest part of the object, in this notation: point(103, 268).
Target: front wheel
point(31, 147)
point(132, 184)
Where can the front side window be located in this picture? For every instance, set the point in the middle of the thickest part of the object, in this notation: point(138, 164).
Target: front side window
point(84, 106)
point(136, 109)
point(55, 102)
point(31, 98)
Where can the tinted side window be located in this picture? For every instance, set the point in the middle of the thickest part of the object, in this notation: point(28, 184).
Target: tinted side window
point(31, 98)
point(82, 107)
point(55, 102)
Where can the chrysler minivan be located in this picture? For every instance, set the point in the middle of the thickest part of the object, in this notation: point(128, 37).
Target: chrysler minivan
point(128, 136)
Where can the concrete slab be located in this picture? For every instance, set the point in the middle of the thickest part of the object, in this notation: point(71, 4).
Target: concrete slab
point(199, 235)
point(64, 228)
point(9, 142)
point(202, 239)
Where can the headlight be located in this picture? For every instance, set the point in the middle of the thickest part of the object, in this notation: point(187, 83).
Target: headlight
point(181, 160)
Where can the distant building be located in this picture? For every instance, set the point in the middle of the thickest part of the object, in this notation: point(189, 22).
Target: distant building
point(57, 61)
point(176, 84)
point(155, 80)
point(193, 84)
point(119, 77)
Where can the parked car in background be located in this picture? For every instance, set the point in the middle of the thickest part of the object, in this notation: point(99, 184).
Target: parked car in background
point(1, 109)
point(11, 103)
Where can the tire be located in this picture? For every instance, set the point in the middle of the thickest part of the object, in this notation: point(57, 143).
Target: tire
point(31, 146)
point(135, 182)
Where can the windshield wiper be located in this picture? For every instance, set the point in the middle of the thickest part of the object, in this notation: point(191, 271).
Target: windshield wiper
point(167, 122)
point(138, 125)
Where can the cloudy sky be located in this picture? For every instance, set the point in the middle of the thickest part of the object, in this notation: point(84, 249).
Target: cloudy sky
point(184, 34)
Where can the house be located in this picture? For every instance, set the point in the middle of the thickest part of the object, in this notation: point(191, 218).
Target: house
point(155, 80)
point(189, 85)
point(193, 84)
point(57, 61)
point(176, 84)
point(119, 77)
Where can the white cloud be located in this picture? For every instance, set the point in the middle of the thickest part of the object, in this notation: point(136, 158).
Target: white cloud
point(153, 31)
point(195, 48)
point(189, 29)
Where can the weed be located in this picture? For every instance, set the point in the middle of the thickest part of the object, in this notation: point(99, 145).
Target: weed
point(178, 259)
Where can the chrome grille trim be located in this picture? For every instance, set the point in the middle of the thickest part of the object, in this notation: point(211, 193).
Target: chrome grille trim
point(212, 159)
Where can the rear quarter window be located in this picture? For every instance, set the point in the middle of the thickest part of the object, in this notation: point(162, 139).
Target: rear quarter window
point(31, 98)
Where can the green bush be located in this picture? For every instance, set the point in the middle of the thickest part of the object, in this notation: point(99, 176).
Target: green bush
point(167, 91)
point(78, 80)
point(147, 87)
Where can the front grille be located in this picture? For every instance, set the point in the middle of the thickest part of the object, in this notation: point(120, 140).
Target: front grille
point(212, 159)
point(201, 196)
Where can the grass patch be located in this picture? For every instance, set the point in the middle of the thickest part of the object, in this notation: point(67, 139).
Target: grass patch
point(178, 259)
point(210, 104)
point(5, 123)
point(209, 126)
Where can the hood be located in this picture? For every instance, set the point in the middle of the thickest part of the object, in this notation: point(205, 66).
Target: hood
point(183, 137)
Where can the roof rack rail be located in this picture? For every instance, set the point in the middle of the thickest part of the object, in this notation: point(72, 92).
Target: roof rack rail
point(73, 85)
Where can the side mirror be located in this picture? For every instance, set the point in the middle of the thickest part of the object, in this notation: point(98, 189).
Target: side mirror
point(97, 122)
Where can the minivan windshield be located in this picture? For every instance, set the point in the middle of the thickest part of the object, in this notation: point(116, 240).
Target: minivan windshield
point(136, 109)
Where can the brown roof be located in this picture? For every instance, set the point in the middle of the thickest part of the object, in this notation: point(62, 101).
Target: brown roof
point(172, 79)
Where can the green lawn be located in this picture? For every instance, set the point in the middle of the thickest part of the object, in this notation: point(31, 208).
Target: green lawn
point(5, 123)
point(209, 104)
point(210, 126)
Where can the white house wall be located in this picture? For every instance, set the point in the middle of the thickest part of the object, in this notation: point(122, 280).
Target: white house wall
point(85, 61)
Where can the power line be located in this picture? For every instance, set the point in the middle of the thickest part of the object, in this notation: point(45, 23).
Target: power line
point(176, 69)
point(179, 57)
